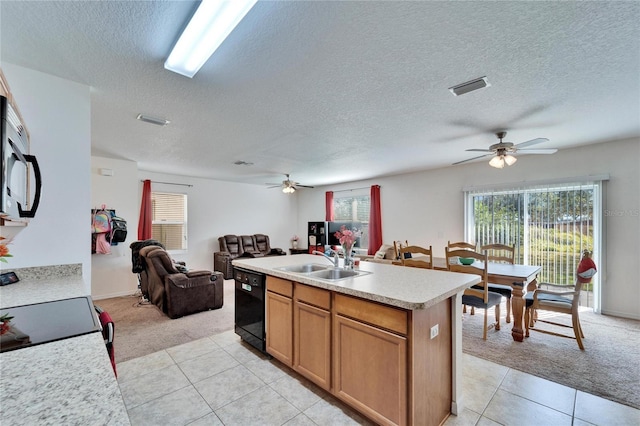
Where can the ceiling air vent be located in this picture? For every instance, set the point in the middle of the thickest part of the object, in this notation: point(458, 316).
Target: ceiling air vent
point(469, 86)
point(153, 120)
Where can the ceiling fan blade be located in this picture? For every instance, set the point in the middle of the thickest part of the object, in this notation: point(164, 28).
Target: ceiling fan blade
point(304, 186)
point(274, 186)
point(478, 150)
point(471, 159)
point(537, 151)
point(531, 142)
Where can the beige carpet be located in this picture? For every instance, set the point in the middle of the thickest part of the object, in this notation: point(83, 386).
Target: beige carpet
point(144, 329)
point(608, 367)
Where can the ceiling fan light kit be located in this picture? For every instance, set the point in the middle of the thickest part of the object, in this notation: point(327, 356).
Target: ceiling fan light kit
point(502, 151)
point(469, 86)
point(288, 186)
point(209, 26)
point(500, 161)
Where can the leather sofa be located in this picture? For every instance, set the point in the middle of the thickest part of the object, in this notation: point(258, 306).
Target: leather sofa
point(234, 246)
point(178, 293)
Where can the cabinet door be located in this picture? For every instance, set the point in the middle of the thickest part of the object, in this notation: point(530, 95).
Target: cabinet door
point(279, 327)
point(370, 370)
point(312, 343)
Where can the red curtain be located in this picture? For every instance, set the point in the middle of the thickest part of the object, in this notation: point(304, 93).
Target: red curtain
point(146, 213)
point(375, 221)
point(328, 196)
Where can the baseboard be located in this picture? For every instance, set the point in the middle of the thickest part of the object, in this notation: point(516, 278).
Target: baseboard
point(119, 294)
point(617, 314)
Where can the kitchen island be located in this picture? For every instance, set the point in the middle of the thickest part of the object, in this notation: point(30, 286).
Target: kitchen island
point(68, 381)
point(387, 342)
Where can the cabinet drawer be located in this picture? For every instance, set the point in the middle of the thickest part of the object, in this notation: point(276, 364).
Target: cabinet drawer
point(313, 296)
point(280, 286)
point(372, 313)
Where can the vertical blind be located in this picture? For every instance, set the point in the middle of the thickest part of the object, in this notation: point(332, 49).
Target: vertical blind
point(170, 220)
point(548, 225)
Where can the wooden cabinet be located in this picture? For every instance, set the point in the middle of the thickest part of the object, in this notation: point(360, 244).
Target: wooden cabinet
point(312, 334)
point(279, 319)
point(370, 360)
point(379, 359)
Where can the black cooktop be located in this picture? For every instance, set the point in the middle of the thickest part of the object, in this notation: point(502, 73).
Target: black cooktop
point(46, 322)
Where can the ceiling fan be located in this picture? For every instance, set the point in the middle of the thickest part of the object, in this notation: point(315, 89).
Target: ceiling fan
point(503, 151)
point(288, 186)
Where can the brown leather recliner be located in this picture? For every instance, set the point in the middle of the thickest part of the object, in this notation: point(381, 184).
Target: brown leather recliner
point(233, 246)
point(264, 246)
point(249, 246)
point(179, 293)
point(230, 248)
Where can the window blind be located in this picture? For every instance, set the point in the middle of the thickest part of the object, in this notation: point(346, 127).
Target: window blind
point(169, 219)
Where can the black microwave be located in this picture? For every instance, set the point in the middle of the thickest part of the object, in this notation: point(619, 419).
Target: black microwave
point(17, 165)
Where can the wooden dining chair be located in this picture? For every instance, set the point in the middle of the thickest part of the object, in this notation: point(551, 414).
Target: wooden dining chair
point(501, 253)
point(477, 296)
point(397, 246)
point(565, 302)
point(465, 246)
point(461, 245)
point(417, 257)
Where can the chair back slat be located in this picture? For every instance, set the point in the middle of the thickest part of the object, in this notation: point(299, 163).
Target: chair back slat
point(417, 263)
point(499, 253)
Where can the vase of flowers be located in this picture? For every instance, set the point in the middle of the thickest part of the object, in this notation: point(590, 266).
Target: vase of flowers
point(347, 239)
point(294, 241)
point(4, 250)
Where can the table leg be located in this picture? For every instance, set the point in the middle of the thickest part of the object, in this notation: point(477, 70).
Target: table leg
point(517, 308)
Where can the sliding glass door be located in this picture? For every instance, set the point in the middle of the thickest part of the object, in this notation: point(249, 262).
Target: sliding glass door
point(548, 225)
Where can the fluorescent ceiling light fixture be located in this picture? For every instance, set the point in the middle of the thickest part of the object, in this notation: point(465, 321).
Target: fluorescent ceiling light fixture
point(209, 26)
point(153, 120)
point(469, 86)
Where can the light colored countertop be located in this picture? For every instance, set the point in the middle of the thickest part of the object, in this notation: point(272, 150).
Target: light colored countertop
point(403, 287)
point(69, 381)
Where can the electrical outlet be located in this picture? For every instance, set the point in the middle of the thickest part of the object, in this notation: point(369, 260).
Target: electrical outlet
point(434, 331)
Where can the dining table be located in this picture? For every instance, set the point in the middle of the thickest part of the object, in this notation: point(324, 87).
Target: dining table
point(521, 278)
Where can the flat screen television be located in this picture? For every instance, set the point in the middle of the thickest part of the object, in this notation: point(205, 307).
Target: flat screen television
point(334, 227)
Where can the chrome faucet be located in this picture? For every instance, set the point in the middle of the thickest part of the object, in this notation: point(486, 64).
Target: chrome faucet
point(335, 258)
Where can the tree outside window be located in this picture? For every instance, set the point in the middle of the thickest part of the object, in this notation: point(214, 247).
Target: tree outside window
point(549, 227)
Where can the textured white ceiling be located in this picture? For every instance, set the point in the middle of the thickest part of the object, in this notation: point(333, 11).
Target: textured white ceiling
point(339, 91)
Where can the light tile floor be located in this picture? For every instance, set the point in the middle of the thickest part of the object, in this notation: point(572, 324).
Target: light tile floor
point(221, 381)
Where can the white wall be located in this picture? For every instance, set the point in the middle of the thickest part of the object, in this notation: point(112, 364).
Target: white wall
point(214, 208)
point(111, 273)
point(427, 207)
point(57, 114)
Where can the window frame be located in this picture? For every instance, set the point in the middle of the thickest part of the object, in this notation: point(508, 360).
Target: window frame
point(184, 222)
point(353, 195)
point(593, 182)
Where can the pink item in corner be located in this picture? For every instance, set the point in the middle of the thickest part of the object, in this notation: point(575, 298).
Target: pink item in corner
point(102, 246)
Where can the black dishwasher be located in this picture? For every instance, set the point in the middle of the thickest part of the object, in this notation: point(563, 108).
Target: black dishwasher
point(249, 307)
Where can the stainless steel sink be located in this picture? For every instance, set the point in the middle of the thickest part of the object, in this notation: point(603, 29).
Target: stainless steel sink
point(336, 274)
point(304, 269)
